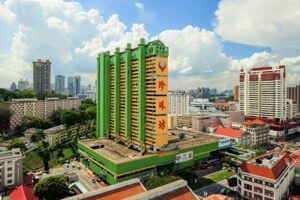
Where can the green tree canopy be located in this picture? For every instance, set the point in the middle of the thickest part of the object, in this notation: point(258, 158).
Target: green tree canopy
point(55, 117)
point(37, 136)
point(16, 143)
point(51, 188)
point(5, 114)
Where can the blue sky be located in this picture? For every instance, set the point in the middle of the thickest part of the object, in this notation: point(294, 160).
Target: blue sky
point(169, 14)
point(209, 40)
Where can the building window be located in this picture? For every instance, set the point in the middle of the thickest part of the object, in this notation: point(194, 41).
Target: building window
point(269, 193)
point(9, 181)
point(9, 175)
point(247, 194)
point(240, 182)
point(247, 187)
point(266, 198)
point(258, 190)
point(9, 169)
point(248, 178)
point(269, 184)
point(257, 197)
point(258, 181)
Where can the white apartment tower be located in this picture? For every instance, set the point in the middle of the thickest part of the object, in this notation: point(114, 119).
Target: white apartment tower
point(263, 93)
point(178, 103)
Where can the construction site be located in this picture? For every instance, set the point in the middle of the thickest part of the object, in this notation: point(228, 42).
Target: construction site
point(133, 139)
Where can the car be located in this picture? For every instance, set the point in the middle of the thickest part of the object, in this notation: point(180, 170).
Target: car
point(223, 191)
point(93, 181)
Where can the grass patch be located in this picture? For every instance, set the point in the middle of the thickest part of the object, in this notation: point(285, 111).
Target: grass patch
point(156, 181)
point(32, 162)
point(212, 178)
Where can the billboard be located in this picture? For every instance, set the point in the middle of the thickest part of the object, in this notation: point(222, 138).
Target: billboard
point(224, 143)
point(184, 157)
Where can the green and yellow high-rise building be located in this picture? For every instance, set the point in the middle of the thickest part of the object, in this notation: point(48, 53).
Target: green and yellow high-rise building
point(133, 139)
point(132, 93)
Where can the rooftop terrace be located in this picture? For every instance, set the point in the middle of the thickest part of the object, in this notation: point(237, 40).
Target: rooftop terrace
point(120, 153)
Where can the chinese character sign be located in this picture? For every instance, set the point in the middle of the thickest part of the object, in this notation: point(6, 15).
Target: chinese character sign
point(161, 105)
point(162, 85)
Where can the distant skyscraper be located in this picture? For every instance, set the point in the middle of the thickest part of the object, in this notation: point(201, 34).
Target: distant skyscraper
point(41, 75)
point(13, 86)
point(263, 93)
point(77, 84)
point(71, 87)
point(294, 94)
point(59, 84)
point(178, 103)
point(23, 84)
point(236, 93)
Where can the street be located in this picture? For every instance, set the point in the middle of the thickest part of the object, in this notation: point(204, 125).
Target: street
point(213, 188)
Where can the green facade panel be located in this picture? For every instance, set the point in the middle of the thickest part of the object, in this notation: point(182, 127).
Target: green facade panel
point(98, 121)
point(141, 92)
point(117, 91)
point(128, 91)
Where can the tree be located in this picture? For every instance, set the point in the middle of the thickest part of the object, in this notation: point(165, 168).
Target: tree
point(232, 182)
point(37, 136)
point(55, 117)
point(44, 152)
point(60, 154)
point(5, 114)
point(90, 113)
point(51, 188)
point(16, 143)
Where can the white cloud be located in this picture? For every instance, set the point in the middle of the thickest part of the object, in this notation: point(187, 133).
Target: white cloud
point(267, 23)
point(139, 5)
point(54, 22)
point(193, 51)
point(71, 37)
point(6, 15)
point(14, 66)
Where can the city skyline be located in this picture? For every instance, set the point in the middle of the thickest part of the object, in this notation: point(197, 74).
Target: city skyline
point(204, 47)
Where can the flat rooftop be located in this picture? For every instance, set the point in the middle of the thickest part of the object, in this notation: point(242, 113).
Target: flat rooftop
point(268, 160)
point(120, 153)
point(10, 154)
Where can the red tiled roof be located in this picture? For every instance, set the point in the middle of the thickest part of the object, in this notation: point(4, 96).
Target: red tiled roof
point(296, 158)
point(180, 194)
point(120, 193)
point(256, 121)
point(229, 132)
point(259, 170)
point(217, 197)
point(295, 197)
point(22, 192)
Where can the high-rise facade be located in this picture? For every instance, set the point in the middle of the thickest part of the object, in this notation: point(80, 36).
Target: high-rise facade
point(132, 95)
point(178, 103)
point(263, 92)
point(60, 84)
point(236, 93)
point(294, 94)
point(70, 85)
point(77, 85)
point(23, 84)
point(13, 86)
point(41, 76)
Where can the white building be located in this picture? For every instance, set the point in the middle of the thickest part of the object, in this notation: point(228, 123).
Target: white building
point(11, 168)
point(263, 93)
point(178, 103)
point(266, 177)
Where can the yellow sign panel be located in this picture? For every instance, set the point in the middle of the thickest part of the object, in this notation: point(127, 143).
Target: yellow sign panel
point(161, 125)
point(162, 140)
point(161, 66)
point(161, 105)
point(162, 85)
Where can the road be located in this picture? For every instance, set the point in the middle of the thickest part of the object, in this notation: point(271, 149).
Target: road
point(214, 188)
point(82, 176)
